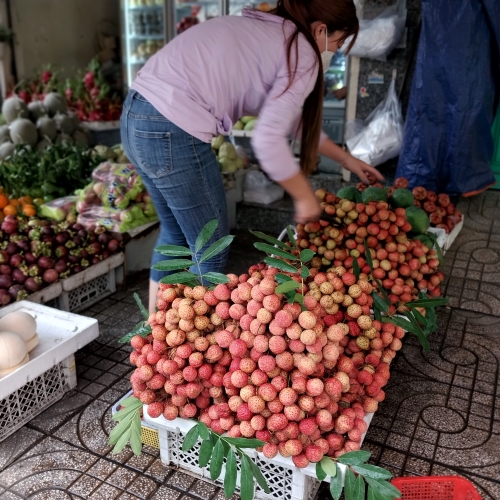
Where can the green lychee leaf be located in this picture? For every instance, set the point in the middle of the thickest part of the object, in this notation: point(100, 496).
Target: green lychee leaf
point(205, 234)
point(320, 473)
point(191, 438)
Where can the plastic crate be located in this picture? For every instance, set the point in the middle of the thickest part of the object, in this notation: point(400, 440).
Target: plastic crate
point(50, 373)
point(149, 435)
point(84, 289)
point(436, 488)
point(33, 398)
point(285, 481)
point(60, 334)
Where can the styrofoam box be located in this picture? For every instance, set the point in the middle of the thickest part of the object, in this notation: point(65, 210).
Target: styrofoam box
point(284, 479)
point(441, 236)
point(453, 234)
point(61, 334)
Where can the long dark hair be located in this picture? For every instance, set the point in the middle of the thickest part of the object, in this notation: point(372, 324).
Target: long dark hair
point(338, 15)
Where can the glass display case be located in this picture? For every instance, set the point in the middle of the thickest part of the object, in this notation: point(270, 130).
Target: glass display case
point(236, 6)
point(185, 14)
point(143, 34)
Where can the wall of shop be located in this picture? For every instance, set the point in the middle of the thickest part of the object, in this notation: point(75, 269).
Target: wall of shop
point(63, 32)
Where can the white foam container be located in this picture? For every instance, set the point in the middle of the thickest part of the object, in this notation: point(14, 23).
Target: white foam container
point(453, 234)
point(61, 334)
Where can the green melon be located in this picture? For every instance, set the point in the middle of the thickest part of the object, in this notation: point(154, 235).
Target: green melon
point(349, 193)
point(402, 198)
point(373, 194)
point(418, 219)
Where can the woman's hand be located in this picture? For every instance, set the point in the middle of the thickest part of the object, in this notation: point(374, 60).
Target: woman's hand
point(307, 209)
point(304, 200)
point(360, 168)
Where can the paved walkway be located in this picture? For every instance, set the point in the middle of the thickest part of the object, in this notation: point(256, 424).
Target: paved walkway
point(441, 415)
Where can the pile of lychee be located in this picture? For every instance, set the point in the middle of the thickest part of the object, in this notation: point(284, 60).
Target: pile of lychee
point(246, 362)
point(405, 266)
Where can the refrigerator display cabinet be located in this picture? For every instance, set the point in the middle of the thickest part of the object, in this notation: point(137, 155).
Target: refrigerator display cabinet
point(147, 25)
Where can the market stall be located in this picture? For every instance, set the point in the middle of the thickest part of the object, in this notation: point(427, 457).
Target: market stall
point(290, 359)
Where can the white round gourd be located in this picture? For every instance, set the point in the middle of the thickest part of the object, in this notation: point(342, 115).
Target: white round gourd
point(19, 322)
point(13, 350)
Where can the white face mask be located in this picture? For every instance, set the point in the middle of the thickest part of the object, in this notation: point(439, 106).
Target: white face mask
point(326, 56)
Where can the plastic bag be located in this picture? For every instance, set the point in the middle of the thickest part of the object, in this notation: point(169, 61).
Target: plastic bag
point(260, 189)
point(59, 209)
point(379, 138)
point(114, 185)
point(378, 37)
point(118, 220)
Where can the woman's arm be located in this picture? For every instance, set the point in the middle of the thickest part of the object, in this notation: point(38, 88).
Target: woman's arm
point(305, 203)
point(329, 149)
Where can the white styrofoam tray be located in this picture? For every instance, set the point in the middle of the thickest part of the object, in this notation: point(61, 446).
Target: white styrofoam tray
point(180, 425)
point(441, 236)
point(453, 234)
point(61, 334)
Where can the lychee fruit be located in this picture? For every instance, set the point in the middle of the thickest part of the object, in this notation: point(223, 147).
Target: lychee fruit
point(293, 447)
point(300, 461)
point(270, 450)
point(307, 320)
point(314, 453)
point(314, 387)
point(277, 422)
point(222, 292)
point(343, 424)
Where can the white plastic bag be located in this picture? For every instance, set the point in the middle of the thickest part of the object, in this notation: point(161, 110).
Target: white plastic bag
point(379, 137)
point(260, 189)
point(378, 37)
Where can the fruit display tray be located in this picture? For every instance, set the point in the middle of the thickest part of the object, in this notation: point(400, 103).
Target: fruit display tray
point(83, 289)
point(285, 480)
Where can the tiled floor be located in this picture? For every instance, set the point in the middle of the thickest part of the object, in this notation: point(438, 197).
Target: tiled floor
point(441, 415)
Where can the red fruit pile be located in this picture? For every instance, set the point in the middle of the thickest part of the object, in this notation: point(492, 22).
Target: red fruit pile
point(404, 266)
point(442, 213)
point(244, 361)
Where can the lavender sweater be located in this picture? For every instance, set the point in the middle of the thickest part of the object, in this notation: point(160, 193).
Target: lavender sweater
point(204, 80)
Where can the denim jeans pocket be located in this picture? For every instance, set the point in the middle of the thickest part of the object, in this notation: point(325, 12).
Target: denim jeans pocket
point(154, 151)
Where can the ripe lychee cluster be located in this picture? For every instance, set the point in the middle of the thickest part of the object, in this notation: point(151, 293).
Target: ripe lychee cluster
point(405, 266)
point(442, 212)
point(243, 360)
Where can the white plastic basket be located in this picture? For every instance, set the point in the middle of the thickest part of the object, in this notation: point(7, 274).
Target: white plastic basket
point(25, 403)
point(285, 481)
point(83, 289)
point(60, 334)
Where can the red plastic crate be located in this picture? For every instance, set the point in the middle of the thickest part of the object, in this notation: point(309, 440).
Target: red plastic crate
point(436, 488)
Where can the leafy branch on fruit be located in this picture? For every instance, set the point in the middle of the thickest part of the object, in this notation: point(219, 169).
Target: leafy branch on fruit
point(354, 487)
point(128, 428)
point(216, 448)
point(177, 259)
point(142, 328)
point(291, 254)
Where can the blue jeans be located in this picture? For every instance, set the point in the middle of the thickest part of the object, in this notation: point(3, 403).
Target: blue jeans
point(182, 177)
